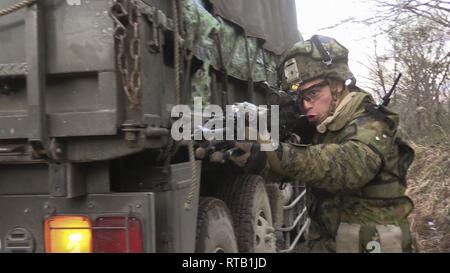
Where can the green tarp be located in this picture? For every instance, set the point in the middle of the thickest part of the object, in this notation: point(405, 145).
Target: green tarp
point(274, 21)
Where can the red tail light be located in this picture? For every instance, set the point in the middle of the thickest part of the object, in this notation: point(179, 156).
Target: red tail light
point(118, 235)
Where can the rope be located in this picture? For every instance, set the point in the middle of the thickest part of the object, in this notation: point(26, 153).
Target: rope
point(16, 7)
point(177, 51)
point(195, 181)
point(177, 65)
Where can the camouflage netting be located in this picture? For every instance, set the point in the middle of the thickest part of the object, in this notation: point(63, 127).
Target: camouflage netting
point(243, 57)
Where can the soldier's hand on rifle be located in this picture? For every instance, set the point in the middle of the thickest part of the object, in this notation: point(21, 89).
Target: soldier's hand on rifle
point(242, 158)
point(252, 160)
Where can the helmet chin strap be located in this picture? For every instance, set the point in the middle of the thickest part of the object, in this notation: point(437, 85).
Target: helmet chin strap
point(335, 96)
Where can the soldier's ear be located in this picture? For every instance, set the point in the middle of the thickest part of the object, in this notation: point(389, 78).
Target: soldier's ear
point(336, 85)
point(341, 87)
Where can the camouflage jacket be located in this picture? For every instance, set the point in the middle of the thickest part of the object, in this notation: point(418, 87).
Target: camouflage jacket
point(354, 170)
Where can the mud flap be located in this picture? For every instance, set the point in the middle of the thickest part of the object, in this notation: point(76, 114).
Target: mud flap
point(347, 239)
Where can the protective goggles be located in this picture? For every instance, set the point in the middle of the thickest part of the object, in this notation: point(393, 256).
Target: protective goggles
point(310, 94)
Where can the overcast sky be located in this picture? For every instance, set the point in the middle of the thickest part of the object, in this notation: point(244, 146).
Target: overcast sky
point(316, 14)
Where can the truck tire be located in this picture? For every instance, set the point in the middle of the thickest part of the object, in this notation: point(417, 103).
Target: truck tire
point(250, 207)
point(215, 233)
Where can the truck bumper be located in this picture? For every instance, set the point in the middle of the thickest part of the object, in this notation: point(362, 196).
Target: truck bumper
point(22, 217)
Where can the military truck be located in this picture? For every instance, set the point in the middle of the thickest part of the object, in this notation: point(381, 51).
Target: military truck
point(87, 162)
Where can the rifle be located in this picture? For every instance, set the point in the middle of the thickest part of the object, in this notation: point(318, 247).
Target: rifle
point(220, 151)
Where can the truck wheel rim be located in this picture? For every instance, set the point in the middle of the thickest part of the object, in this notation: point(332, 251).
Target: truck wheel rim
point(262, 233)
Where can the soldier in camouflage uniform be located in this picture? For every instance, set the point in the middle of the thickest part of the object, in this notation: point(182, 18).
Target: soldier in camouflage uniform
point(356, 166)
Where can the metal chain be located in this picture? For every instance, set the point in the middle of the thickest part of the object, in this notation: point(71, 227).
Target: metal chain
point(131, 81)
point(135, 52)
point(16, 7)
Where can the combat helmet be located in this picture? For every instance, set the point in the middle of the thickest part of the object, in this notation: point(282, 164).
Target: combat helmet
point(320, 56)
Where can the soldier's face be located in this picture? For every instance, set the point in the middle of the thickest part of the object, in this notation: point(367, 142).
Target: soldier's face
point(317, 100)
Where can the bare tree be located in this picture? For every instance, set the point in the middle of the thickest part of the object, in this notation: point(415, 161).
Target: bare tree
point(418, 32)
point(435, 11)
point(419, 36)
point(421, 52)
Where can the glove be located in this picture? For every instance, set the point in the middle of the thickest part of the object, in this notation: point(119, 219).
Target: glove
point(241, 160)
point(253, 161)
